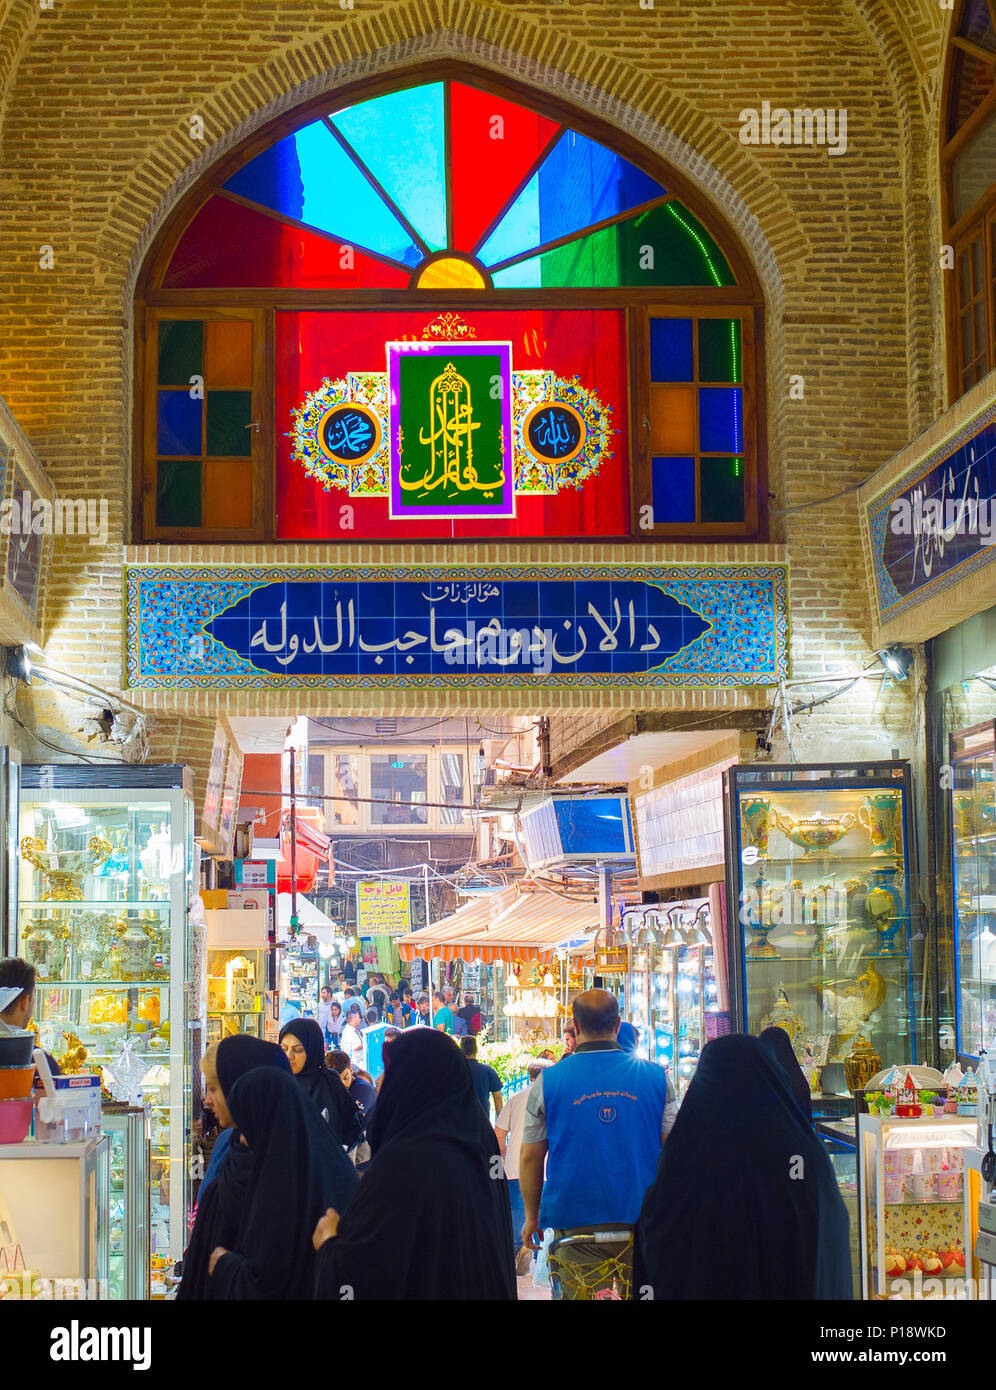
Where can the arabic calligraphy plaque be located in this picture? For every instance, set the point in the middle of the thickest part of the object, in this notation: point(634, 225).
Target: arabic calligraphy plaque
point(451, 429)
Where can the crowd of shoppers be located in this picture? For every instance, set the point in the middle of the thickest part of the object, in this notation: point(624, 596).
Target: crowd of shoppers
point(593, 1162)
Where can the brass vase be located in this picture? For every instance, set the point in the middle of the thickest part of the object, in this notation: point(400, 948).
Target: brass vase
point(861, 1064)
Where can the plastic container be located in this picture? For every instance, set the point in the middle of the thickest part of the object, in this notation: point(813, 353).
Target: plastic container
point(15, 1119)
point(949, 1187)
point(16, 1049)
point(15, 1082)
point(894, 1187)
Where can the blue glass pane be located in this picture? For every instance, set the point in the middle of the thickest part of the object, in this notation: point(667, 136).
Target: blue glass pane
point(578, 183)
point(401, 139)
point(179, 423)
point(310, 176)
point(671, 350)
point(720, 420)
point(673, 482)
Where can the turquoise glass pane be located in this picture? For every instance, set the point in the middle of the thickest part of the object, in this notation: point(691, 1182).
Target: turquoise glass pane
point(673, 483)
point(722, 489)
point(671, 350)
point(579, 182)
point(179, 423)
point(721, 429)
point(401, 139)
point(310, 177)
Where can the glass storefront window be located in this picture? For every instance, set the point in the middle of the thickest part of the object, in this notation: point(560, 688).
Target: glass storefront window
point(451, 787)
point(345, 789)
point(398, 783)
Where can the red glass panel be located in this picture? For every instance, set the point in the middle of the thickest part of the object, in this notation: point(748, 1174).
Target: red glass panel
point(229, 246)
point(588, 344)
point(493, 145)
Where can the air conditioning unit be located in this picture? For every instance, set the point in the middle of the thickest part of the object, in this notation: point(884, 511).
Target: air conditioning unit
point(578, 829)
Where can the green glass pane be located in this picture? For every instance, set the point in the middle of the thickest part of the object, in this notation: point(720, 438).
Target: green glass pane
point(229, 414)
point(178, 492)
point(722, 489)
point(181, 351)
point(720, 356)
point(401, 139)
point(665, 246)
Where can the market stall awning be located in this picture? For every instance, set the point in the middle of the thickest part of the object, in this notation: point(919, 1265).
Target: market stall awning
point(507, 926)
point(310, 918)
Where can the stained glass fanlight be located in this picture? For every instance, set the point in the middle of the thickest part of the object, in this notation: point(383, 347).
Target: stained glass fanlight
point(442, 187)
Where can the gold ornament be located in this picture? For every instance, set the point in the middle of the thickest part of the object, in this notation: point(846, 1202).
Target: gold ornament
point(72, 1060)
point(63, 871)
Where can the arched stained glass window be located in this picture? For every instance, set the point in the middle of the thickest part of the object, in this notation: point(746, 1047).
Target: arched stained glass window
point(438, 312)
point(968, 160)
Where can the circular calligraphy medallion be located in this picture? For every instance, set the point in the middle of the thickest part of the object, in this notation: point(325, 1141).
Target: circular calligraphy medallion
point(554, 431)
point(350, 433)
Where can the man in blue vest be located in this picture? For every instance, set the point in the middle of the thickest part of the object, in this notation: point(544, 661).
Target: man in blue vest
point(601, 1114)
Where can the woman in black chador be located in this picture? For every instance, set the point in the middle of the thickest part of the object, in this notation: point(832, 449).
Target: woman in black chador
point(223, 1190)
point(430, 1219)
point(745, 1204)
point(295, 1172)
point(304, 1042)
point(778, 1045)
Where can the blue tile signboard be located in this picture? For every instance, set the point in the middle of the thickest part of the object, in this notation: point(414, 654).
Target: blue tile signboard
point(935, 524)
point(251, 627)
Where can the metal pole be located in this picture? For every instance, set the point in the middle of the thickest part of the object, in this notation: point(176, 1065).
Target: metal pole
point(425, 886)
point(293, 831)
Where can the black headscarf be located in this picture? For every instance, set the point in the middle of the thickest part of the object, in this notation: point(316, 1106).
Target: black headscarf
point(296, 1171)
point(744, 1205)
point(433, 1149)
point(220, 1206)
point(325, 1089)
point(777, 1043)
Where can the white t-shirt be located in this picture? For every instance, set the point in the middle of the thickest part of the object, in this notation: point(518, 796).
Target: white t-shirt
point(351, 1042)
point(512, 1118)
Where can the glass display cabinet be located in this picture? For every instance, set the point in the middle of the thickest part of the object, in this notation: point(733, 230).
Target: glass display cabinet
point(973, 840)
point(53, 1220)
point(126, 1127)
point(819, 866)
point(919, 1199)
point(104, 880)
point(839, 1140)
point(236, 991)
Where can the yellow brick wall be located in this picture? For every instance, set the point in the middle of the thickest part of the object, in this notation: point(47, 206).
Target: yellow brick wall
point(95, 150)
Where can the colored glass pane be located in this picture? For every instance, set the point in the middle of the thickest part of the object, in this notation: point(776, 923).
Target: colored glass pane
point(665, 245)
point(228, 353)
point(493, 146)
point(229, 415)
point(720, 420)
point(722, 489)
point(229, 246)
point(178, 493)
point(673, 484)
point(180, 351)
point(227, 495)
point(579, 182)
point(672, 419)
point(451, 273)
point(671, 350)
point(400, 137)
point(310, 177)
point(179, 423)
point(720, 355)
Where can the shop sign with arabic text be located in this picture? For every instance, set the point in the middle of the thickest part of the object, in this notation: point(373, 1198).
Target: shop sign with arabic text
point(251, 627)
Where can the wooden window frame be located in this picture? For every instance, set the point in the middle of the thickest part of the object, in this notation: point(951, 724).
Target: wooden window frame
point(153, 302)
point(977, 220)
point(146, 360)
